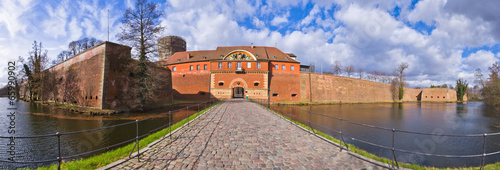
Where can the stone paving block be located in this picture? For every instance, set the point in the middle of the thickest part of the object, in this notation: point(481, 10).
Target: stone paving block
point(239, 134)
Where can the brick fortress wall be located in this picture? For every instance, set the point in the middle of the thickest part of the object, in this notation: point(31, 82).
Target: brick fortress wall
point(98, 78)
point(338, 88)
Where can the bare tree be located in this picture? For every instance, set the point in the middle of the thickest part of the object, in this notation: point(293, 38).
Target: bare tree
point(73, 47)
point(491, 89)
point(141, 27)
point(400, 74)
point(479, 77)
point(349, 70)
point(37, 61)
point(337, 68)
point(376, 75)
point(360, 73)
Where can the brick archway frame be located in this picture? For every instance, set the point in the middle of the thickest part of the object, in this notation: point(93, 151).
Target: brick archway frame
point(241, 80)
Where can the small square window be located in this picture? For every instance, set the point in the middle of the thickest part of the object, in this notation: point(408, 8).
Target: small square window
point(256, 84)
point(221, 83)
point(275, 94)
point(294, 95)
point(444, 97)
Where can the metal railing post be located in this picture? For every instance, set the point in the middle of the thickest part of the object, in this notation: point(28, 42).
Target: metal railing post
point(59, 160)
point(393, 154)
point(169, 124)
point(137, 139)
point(342, 137)
point(187, 115)
point(484, 150)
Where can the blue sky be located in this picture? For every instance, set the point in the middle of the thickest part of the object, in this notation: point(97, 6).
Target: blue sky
point(441, 40)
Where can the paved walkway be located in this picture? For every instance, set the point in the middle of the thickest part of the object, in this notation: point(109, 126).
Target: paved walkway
point(239, 134)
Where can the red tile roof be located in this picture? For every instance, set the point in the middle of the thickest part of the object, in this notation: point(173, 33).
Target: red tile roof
point(260, 52)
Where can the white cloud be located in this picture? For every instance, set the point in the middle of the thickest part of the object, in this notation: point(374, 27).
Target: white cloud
point(11, 15)
point(480, 59)
point(312, 15)
point(426, 11)
point(55, 24)
point(277, 20)
point(258, 23)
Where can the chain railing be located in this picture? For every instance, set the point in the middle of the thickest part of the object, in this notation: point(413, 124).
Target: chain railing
point(392, 148)
point(137, 137)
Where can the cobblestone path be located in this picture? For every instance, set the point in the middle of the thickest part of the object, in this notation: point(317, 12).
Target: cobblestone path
point(239, 134)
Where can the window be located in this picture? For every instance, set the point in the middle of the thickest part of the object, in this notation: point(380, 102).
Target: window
point(256, 84)
point(258, 65)
point(283, 67)
point(205, 67)
point(294, 95)
point(229, 65)
point(444, 97)
point(174, 68)
point(276, 67)
point(249, 65)
point(275, 94)
point(292, 68)
point(198, 67)
point(238, 65)
point(221, 83)
point(220, 64)
point(191, 67)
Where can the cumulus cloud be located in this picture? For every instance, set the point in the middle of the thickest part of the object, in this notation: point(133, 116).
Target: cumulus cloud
point(480, 59)
point(277, 20)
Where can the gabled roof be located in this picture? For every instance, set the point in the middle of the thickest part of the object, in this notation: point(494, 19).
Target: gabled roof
point(260, 52)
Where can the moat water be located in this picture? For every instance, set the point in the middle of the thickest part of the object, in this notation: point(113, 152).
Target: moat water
point(437, 118)
point(445, 118)
point(35, 119)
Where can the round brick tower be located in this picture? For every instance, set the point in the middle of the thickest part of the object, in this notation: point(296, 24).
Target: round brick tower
point(169, 45)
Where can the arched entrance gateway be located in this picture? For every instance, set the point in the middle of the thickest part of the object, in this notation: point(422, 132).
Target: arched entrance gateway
point(238, 86)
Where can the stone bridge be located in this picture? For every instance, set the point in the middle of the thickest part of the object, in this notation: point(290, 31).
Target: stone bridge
point(239, 134)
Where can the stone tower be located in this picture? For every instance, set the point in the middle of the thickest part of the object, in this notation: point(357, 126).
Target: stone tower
point(169, 45)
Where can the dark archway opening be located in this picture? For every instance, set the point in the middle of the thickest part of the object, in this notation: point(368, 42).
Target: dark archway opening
point(238, 92)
